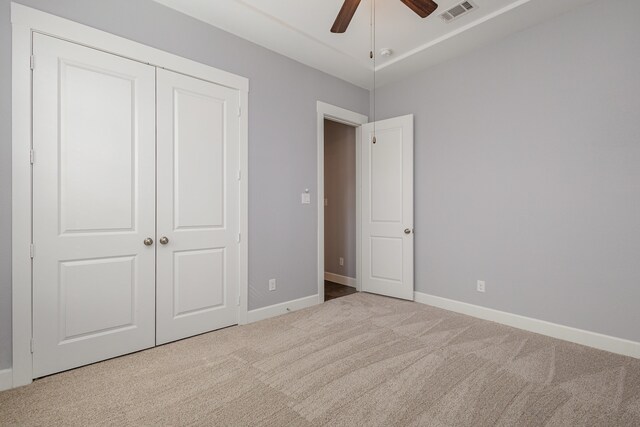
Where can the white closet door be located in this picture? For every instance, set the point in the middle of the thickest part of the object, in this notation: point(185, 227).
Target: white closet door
point(198, 206)
point(387, 207)
point(93, 205)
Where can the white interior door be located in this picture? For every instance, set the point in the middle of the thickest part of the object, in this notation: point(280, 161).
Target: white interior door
point(198, 206)
point(93, 205)
point(387, 207)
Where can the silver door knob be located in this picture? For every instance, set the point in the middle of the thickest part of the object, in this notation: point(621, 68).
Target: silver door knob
point(148, 241)
point(164, 240)
point(407, 231)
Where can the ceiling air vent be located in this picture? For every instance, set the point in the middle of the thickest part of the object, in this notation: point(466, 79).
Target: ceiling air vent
point(458, 10)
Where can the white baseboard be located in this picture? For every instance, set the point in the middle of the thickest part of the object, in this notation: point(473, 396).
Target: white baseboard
point(567, 333)
point(282, 308)
point(341, 280)
point(6, 379)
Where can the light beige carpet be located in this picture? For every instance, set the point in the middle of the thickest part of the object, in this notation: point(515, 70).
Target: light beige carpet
point(361, 360)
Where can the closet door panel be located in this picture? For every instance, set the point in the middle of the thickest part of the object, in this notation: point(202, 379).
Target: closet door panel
point(199, 151)
point(93, 205)
point(198, 206)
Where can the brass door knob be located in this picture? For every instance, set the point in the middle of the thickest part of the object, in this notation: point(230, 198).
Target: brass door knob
point(164, 240)
point(148, 241)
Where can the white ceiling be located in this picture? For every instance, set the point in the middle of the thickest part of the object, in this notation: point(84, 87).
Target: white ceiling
point(299, 29)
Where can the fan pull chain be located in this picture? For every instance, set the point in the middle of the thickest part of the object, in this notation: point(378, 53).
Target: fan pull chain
point(372, 56)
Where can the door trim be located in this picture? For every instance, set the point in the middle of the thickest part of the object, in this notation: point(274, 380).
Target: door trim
point(350, 118)
point(26, 21)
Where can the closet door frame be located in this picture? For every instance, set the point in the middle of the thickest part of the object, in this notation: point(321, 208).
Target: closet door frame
point(25, 22)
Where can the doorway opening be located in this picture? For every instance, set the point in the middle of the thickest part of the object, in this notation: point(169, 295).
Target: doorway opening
point(339, 209)
point(332, 114)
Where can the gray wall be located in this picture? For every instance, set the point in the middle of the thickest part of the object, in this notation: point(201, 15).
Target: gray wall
point(340, 191)
point(282, 138)
point(527, 171)
point(5, 186)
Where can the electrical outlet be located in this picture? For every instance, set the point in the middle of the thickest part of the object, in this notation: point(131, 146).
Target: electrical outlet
point(341, 260)
point(272, 284)
point(480, 286)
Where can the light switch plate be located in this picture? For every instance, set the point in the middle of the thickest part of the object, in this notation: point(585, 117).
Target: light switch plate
point(306, 198)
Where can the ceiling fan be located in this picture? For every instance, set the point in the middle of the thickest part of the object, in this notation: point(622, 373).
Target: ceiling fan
point(423, 8)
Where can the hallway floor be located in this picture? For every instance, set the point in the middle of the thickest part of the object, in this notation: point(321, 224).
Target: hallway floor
point(335, 290)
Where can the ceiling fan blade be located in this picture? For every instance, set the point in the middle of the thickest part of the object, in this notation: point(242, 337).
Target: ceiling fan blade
point(344, 16)
point(423, 8)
